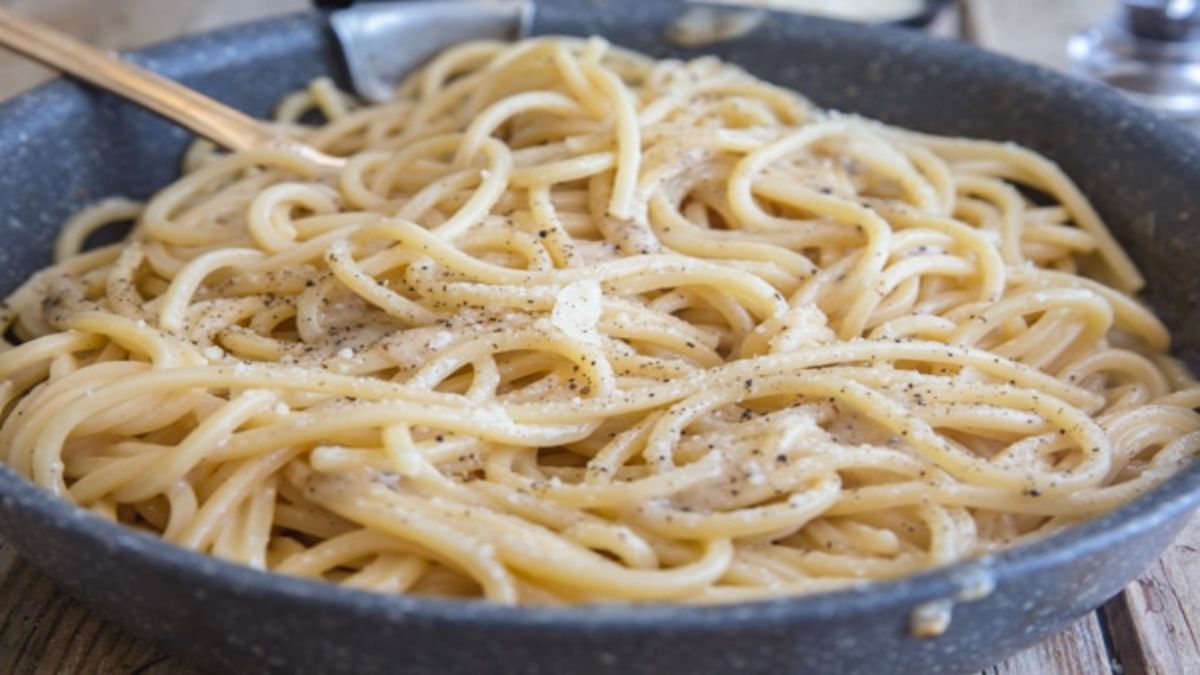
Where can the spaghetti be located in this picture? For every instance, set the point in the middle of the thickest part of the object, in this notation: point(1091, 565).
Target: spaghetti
point(574, 325)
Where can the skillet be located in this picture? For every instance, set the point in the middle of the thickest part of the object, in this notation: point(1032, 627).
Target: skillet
point(63, 146)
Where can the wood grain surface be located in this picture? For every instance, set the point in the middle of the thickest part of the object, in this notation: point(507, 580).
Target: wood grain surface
point(1078, 649)
point(1155, 623)
point(1152, 628)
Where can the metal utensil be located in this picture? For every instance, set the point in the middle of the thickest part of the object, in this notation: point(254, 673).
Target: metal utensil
point(215, 121)
point(370, 32)
point(1149, 50)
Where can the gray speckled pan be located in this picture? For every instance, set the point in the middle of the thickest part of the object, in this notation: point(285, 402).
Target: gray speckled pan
point(63, 146)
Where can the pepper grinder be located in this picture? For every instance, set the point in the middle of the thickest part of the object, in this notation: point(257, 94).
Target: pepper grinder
point(1150, 51)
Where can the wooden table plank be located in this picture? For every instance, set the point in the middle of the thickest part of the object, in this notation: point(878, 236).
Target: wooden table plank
point(1078, 649)
point(1155, 623)
point(42, 630)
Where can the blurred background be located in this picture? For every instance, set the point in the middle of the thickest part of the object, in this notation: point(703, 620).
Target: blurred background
point(1033, 30)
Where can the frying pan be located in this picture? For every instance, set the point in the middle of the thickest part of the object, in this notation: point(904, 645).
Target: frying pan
point(63, 146)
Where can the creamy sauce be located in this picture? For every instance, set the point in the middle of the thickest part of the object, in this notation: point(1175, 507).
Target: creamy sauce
point(931, 619)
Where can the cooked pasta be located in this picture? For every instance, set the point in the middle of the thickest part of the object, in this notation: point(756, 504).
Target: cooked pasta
point(574, 325)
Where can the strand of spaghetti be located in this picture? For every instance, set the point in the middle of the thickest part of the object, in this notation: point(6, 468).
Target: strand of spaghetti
point(1050, 177)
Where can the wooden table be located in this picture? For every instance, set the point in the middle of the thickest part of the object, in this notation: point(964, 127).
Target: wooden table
point(1152, 627)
